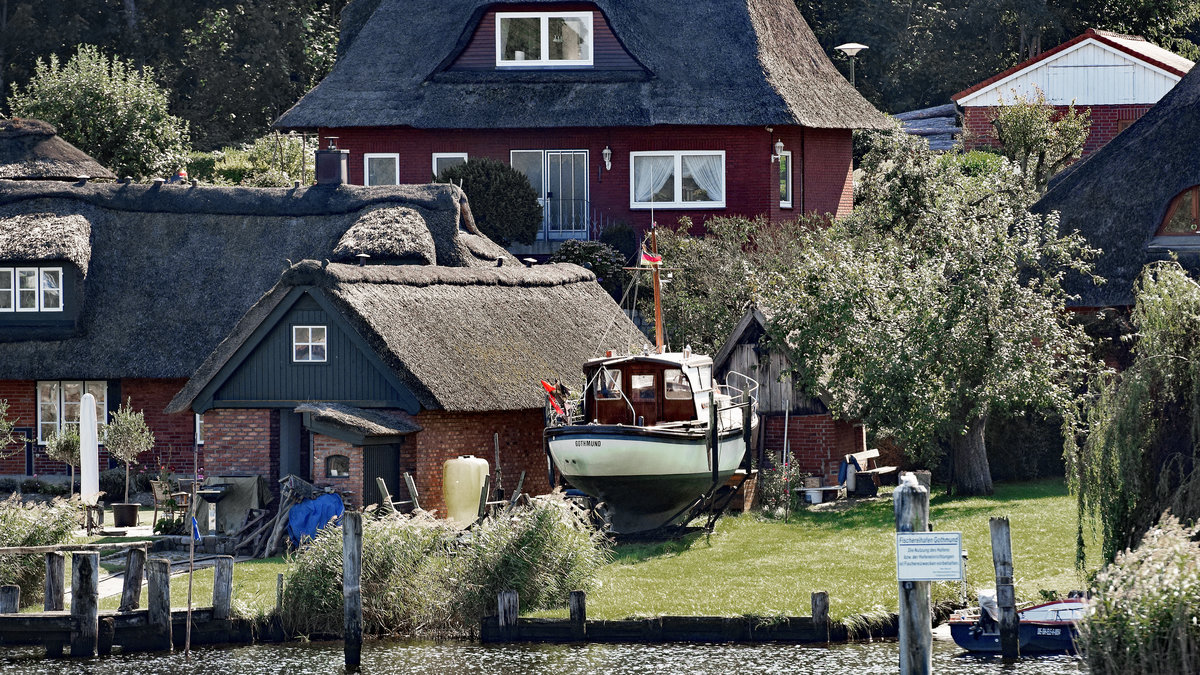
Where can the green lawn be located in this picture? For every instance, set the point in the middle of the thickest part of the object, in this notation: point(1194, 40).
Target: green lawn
point(763, 567)
point(254, 583)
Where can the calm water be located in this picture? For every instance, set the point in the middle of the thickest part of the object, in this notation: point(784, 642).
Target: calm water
point(466, 657)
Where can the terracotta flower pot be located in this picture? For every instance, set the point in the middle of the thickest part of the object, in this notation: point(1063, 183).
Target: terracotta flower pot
point(125, 515)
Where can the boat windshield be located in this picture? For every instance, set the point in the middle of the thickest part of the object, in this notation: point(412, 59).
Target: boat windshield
point(642, 387)
point(608, 384)
point(676, 385)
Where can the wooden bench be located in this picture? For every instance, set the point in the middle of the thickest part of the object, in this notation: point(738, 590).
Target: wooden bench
point(867, 466)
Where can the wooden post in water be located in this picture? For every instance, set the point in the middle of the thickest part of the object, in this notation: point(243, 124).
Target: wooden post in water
point(10, 599)
point(1010, 647)
point(820, 613)
point(222, 587)
point(352, 585)
point(131, 591)
point(158, 587)
point(911, 503)
point(56, 572)
point(578, 604)
point(507, 603)
point(85, 588)
point(105, 633)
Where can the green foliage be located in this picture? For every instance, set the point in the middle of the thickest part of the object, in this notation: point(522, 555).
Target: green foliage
point(63, 445)
point(974, 163)
point(419, 577)
point(32, 524)
point(1038, 140)
point(9, 485)
point(777, 489)
point(112, 484)
point(273, 160)
point(622, 237)
point(7, 438)
point(1143, 613)
point(126, 436)
point(1143, 424)
point(503, 203)
point(169, 524)
point(937, 304)
point(603, 260)
point(107, 108)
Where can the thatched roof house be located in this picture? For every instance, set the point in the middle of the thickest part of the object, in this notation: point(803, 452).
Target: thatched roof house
point(32, 150)
point(1135, 199)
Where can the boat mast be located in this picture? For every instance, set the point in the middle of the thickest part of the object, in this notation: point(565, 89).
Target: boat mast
point(658, 330)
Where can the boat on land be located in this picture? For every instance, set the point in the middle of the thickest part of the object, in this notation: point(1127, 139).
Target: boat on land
point(1048, 628)
point(650, 437)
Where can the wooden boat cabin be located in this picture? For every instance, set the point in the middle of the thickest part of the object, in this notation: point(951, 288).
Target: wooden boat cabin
point(648, 390)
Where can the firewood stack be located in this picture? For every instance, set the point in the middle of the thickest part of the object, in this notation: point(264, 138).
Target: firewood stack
point(263, 536)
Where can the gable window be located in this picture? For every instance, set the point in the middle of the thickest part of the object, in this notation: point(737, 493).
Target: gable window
point(381, 169)
point(58, 404)
point(308, 344)
point(694, 179)
point(785, 179)
point(445, 160)
point(31, 289)
point(1183, 214)
point(543, 39)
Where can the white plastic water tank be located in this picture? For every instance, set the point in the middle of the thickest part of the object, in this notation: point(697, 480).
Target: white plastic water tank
point(462, 480)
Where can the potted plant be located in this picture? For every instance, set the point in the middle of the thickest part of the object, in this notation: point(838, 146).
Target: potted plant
point(126, 437)
point(63, 446)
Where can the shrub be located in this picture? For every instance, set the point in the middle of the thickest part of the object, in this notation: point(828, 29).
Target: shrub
point(9, 485)
point(1143, 612)
point(31, 486)
point(202, 166)
point(418, 576)
point(622, 237)
point(503, 203)
point(602, 259)
point(33, 524)
point(777, 488)
point(976, 162)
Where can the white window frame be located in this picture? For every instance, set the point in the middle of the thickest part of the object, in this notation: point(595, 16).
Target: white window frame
point(37, 295)
point(545, 61)
point(310, 343)
point(678, 203)
point(446, 155)
point(11, 291)
point(368, 156)
point(199, 430)
point(787, 203)
point(59, 404)
point(42, 290)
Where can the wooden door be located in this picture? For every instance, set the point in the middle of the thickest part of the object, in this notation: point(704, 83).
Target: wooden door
point(382, 461)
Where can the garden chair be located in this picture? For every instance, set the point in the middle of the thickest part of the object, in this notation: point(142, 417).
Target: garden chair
point(161, 490)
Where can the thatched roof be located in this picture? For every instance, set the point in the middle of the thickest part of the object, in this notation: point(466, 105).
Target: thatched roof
point(39, 237)
point(364, 421)
point(722, 62)
point(460, 339)
point(32, 150)
point(173, 268)
point(1118, 197)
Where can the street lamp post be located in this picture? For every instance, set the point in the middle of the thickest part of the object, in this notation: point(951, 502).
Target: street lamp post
point(851, 49)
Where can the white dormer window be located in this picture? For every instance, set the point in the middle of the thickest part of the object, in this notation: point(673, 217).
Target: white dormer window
point(381, 168)
point(308, 344)
point(31, 289)
point(543, 39)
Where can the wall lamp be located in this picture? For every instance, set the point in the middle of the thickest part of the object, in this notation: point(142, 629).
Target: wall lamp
point(607, 155)
point(778, 151)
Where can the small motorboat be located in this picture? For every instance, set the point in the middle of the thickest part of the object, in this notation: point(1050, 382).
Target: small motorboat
point(1048, 628)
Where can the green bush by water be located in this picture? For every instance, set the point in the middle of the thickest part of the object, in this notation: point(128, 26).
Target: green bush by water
point(33, 524)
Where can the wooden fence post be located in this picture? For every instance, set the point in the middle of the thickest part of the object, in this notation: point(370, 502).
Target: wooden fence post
point(352, 585)
point(85, 588)
point(131, 591)
point(222, 587)
point(507, 603)
point(158, 583)
point(10, 599)
point(56, 572)
point(911, 504)
point(1010, 644)
point(820, 613)
point(578, 604)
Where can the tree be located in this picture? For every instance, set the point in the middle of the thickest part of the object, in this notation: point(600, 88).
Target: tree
point(503, 203)
point(126, 436)
point(108, 109)
point(1038, 140)
point(63, 446)
point(7, 425)
point(937, 305)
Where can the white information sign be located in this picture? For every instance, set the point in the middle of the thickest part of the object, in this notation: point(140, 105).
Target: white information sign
point(929, 556)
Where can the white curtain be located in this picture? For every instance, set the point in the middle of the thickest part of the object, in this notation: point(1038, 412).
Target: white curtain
point(709, 174)
point(651, 173)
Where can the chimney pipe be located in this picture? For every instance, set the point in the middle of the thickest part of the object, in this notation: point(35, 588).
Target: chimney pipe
point(332, 164)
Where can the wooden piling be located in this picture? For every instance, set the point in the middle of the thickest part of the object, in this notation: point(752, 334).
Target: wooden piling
point(131, 591)
point(578, 604)
point(56, 572)
point(106, 632)
point(223, 587)
point(911, 504)
point(1010, 644)
point(352, 585)
point(507, 603)
point(820, 613)
point(158, 583)
point(10, 599)
point(85, 608)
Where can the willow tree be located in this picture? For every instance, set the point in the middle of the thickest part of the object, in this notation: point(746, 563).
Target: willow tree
point(936, 306)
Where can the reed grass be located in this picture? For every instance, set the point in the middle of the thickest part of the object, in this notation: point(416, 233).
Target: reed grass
point(33, 524)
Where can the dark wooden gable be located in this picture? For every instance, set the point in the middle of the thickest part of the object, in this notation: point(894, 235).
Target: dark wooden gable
point(263, 374)
point(45, 325)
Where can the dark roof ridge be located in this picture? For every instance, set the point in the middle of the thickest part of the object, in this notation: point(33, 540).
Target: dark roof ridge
point(326, 274)
point(21, 126)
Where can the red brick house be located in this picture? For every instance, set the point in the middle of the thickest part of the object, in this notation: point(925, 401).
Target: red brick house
point(611, 109)
point(341, 374)
point(1117, 77)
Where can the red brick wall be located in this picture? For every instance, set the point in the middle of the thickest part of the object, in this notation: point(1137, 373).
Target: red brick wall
point(817, 443)
point(323, 447)
point(21, 396)
point(1106, 124)
point(752, 180)
point(242, 440)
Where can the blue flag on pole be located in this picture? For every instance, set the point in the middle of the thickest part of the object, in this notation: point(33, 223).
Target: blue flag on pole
point(195, 529)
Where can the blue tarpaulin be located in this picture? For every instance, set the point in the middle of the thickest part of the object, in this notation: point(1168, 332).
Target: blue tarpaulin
point(307, 517)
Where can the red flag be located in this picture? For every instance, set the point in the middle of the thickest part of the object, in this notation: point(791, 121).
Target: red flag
point(553, 396)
